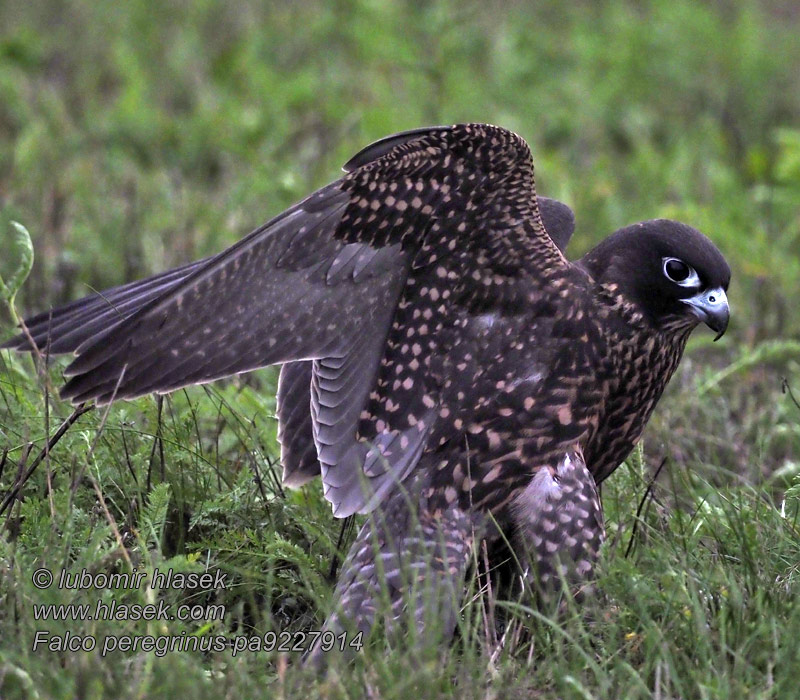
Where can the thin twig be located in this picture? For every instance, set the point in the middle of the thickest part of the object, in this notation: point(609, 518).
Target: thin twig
point(487, 604)
point(51, 443)
point(160, 406)
point(641, 506)
point(786, 389)
point(90, 454)
point(260, 483)
point(347, 525)
point(99, 430)
point(111, 521)
point(47, 429)
point(23, 460)
point(131, 470)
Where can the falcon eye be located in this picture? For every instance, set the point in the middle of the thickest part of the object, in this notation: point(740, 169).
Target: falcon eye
point(680, 273)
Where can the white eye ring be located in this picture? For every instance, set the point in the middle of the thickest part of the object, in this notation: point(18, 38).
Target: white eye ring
point(691, 281)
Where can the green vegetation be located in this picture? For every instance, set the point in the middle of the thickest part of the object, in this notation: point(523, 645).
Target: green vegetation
point(138, 135)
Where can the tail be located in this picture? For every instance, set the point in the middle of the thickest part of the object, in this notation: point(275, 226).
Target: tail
point(405, 570)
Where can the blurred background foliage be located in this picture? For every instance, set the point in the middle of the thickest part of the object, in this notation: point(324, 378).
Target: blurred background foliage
point(138, 135)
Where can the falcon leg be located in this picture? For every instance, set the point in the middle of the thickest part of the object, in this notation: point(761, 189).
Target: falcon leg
point(558, 523)
point(406, 569)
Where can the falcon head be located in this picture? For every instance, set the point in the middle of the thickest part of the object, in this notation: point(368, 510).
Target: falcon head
point(671, 272)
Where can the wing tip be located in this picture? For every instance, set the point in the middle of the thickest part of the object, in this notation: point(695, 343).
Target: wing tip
point(12, 343)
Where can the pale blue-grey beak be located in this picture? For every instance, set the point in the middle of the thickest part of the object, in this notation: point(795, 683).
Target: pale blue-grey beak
point(711, 307)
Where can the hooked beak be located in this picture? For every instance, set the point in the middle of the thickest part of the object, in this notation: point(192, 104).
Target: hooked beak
point(711, 307)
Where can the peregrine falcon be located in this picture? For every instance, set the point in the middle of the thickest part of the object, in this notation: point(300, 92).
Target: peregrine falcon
point(445, 368)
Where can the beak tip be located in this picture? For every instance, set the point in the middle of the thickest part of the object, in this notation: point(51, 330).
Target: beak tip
point(720, 325)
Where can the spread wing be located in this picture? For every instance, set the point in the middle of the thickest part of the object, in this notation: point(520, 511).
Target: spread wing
point(295, 425)
point(361, 277)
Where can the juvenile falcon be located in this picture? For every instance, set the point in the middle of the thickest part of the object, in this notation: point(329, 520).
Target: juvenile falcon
point(450, 370)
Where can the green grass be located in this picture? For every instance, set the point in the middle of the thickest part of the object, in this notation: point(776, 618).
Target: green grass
point(135, 136)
